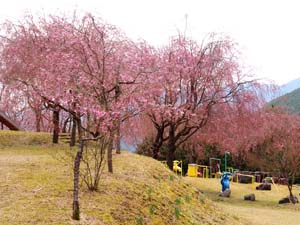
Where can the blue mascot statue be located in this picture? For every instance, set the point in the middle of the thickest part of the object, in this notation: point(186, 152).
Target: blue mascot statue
point(225, 181)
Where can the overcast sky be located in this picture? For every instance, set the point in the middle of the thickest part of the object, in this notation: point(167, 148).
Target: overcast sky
point(267, 30)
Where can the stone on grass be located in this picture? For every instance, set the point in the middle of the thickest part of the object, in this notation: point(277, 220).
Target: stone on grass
point(225, 193)
point(250, 197)
point(264, 187)
point(288, 200)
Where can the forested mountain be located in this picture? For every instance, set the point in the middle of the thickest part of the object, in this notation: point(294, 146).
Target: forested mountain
point(290, 101)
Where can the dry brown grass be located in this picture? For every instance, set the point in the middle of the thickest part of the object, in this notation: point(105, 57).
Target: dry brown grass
point(36, 188)
point(265, 210)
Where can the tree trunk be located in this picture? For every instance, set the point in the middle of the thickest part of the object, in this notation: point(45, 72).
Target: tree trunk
point(170, 156)
point(118, 138)
point(73, 132)
point(64, 129)
point(76, 209)
point(38, 118)
point(79, 128)
point(77, 160)
point(88, 123)
point(171, 148)
point(155, 150)
point(290, 187)
point(109, 153)
point(55, 125)
point(157, 142)
point(118, 127)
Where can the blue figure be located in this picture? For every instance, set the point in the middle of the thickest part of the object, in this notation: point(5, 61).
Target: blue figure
point(225, 181)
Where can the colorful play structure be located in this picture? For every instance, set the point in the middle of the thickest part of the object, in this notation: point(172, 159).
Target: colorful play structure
point(177, 167)
point(195, 170)
point(227, 175)
point(211, 171)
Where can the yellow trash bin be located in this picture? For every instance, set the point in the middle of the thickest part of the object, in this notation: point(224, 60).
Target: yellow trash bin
point(192, 170)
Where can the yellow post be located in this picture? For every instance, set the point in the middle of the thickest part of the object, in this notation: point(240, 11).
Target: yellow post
point(205, 172)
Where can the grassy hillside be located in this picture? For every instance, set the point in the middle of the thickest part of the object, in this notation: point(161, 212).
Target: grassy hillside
point(290, 102)
point(21, 138)
point(36, 188)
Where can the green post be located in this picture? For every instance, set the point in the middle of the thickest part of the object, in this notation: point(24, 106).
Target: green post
point(225, 166)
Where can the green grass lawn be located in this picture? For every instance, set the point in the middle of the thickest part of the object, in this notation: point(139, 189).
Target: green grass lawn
point(265, 210)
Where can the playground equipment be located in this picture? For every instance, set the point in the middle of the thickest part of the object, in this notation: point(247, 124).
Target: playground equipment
point(192, 170)
point(229, 169)
point(260, 176)
point(225, 181)
point(177, 167)
point(203, 170)
point(225, 160)
point(195, 170)
point(214, 166)
point(243, 178)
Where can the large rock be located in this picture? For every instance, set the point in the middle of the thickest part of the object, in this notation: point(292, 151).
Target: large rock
point(225, 193)
point(250, 197)
point(284, 200)
point(295, 199)
point(264, 186)
point(288, 200)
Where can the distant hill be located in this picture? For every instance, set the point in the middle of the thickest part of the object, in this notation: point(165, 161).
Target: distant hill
point(290, 86)
point(290, 101)
point(283, 89)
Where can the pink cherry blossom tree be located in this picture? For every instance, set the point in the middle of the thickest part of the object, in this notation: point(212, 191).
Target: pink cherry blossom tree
point(278, 151)
point(83, 66)
point(192, 80)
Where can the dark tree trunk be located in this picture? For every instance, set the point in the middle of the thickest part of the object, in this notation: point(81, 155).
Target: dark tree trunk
point(38, 118)
point(157, 142)
point(55, 125)
point(118, 127)
point(73, 133)
point(76, 209)
point(118, 138)
point(155, 150)
point(77, 160)
point(64, 129)
point(171, 148)
point(109, 153)
point(170, 156)
point(290, 187)
point(88, 123)
point(79, 128)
